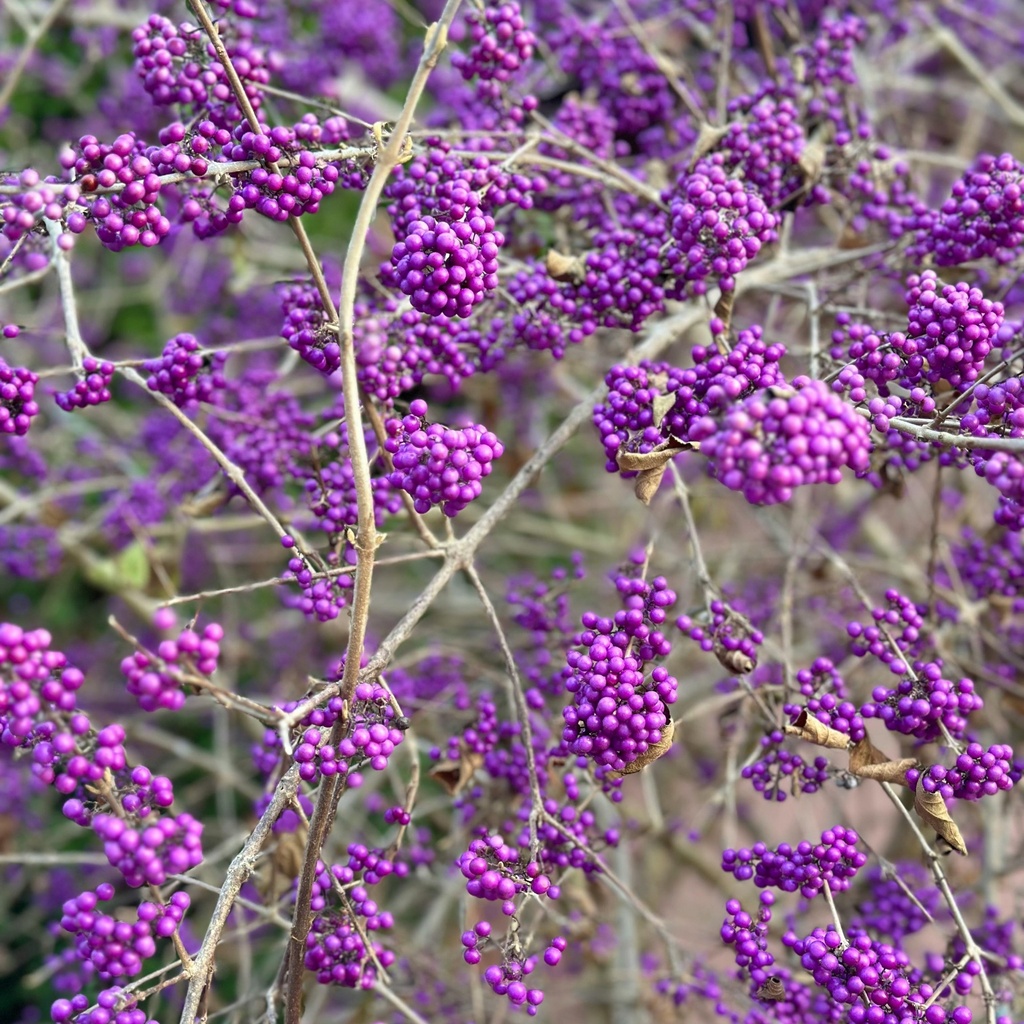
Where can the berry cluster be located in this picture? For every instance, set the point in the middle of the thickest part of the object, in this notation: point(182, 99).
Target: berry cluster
point(186, 374)
point(775, 765)
point(92, 389)
point(178, 65)
point(718, 224)
point(125, 213)
point(626, 419)
point(925, 705)
point(117, 948)
point(749, 936)
point(447, 268)
point(291, 191)
point(805, 868)
point(336, 947)
point(982, 219)
point(978, 772)
point(438, 465)
point(24, 200)
point(323, 593)
point(137, 790)
point(898, 902)
point(826, 699)
point(156, 679)
point(114, 1006)
point(869, 976)
point(882, 641)
point(145, 856)
point(618, 710)
point(727, 635)
point(495, 872)
point(17, 399)
point(767, 446)
point(502, 43)
point(953, 330)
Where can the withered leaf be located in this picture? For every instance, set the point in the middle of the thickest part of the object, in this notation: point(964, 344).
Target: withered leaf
point(864, 753)
point(651, 754)
point(709, 136)
point(932, 810)
point(887, 771)
point(808, 728)
point(661, 405)
point(455, 775)
point(563, 267)
point(772, 990)
point(648, 482)
point(285, 864)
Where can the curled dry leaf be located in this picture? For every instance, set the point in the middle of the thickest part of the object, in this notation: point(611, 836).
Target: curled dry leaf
point(810, 729)
point(565, 268)
point(735, 661)
point(709, 137)
point(864, 753)
point(287, 850)
point(648, 482)
point(455, 775)
point(651, 754)
point(931, 808)
point(888, 771)
point(773, 991)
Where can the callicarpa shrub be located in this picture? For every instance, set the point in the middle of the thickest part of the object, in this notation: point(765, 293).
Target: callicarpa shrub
point(511, 509)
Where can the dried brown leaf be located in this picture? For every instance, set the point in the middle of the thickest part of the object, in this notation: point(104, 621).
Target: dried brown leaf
point(887, 771)
point(772, 991)
point(563, 267)
point(808, 728)
point(285, 863)
point(931, 808)
point(865, 753)
point(455, 775)
point(648, 482)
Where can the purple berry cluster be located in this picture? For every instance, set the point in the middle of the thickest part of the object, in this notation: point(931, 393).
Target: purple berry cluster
point(925, 705)
point(502, 43)
point(117, 948)
point(749, 936)
point(186, 374)
point(291, 191)
point(726, 634)
point(92, 389)
point(982, 219)
point(438, 465)
point(18, 405)
point(306, 328)
point(336, 952)
point(495, 872)
point(156, 679)
point(978, 772)
point(178, 65)
point(897, 633)
point(768, 445)
point(447, 268)
point(805, 868)
point(618, 708)
point(875, 979)
point(826, 699)
point(114, 1006)
point(146, 855)
point(126, 174)
point(718, 224)
point(777, 769)
point(954, 329)
point(626, 418)
point(898, 902)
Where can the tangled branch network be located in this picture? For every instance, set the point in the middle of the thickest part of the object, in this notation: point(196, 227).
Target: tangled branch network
point(490, 490)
